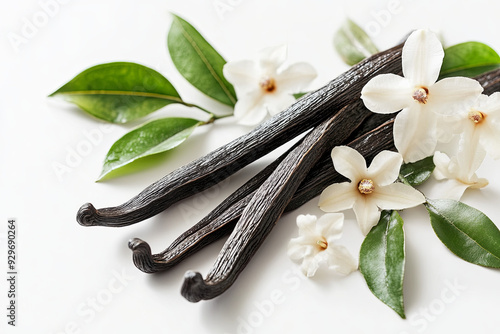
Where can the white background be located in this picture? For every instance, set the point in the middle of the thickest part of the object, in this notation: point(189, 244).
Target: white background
point(68, 273)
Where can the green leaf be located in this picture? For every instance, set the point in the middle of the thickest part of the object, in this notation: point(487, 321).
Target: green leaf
point(119, 92)
point(416, 173)
point(352, 43)
point(199, 62)
point(469, 60)
point(382, 260)
point(466, 231)
point(151, 138)
point(299, 95)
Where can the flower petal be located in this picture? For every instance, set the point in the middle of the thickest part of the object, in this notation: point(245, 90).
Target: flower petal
point(271, 58)
point(448, 126)
point(243, 75)
point(490, 138)
point(450, 189)
point(296, 77)
point(441, 161)
point(330, 226)
point(367, 213)
point(349, 162)
point(299, 249)
point(306, 224)
point(422, 58)
point(397, 196)
point(470, 153)
point(415, 133)
point(276, 102)
point(387, 93)
point(480, 183)
point(490, 105)
point(338, 197)
point(385, 167)
point(311, 264)
point(249, 110)
point(341, 260)
point(451, 96)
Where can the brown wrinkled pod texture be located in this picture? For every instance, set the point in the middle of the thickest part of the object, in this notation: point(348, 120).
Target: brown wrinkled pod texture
point(208, 170)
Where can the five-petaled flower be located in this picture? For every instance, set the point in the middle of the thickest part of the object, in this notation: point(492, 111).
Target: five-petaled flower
point(263, 86)
point(419, 97)
point(458, 173)
point(479, 126)
point(370, 189)
point(315, 244)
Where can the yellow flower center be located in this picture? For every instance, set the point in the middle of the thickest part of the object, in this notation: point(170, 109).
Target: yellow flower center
point(476, 116)
point(366, 186)
point(322, 243)
point(421, 95)
point(267, 84)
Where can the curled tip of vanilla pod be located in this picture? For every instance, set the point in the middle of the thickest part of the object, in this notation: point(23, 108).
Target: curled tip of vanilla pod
point(87, 215)
point(142, 255)
point(194, 288)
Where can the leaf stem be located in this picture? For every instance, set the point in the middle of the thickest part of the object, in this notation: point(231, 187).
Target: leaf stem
point(213, 117)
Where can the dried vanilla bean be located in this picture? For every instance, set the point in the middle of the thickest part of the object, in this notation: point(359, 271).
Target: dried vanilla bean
point(206, 231)
point(222, 220)
point(206, 171)
point(490, 81)
point(266, 206)
point(256, 222)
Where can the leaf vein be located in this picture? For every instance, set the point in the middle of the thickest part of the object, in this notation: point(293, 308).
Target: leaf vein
point(207, 64)
point(127, 93)
point(462, 232)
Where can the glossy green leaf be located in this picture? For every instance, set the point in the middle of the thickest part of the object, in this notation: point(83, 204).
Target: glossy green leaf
point(466, 231)
point(382, 260)
point(469, 60)
point(198, 61)
point(151, 138)
point(416, 173)
point(352, 43)
point(119, 92)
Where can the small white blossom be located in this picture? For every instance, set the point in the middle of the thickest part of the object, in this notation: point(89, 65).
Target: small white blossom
point(370, 189)
point(315, 245)
point(264, 86)
point(458, 173)
point(419, 96)
point(479, 126)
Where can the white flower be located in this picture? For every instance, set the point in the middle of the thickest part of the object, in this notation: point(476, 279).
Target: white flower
point(370, 188)
point(315, 244)
point(479, 129)
point(458, 173)
point(263, 86)
point(419, 95)
point(479, 126)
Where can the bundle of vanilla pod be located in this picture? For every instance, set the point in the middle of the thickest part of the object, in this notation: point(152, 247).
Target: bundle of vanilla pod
point(333, 115)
